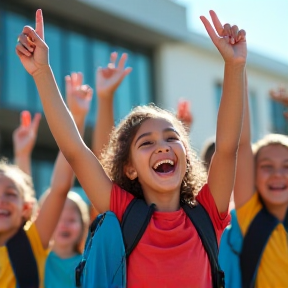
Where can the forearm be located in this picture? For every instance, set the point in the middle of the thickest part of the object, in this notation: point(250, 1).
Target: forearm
point(230, 115)
point(104, 125)
point(243, 190)
point(58, 117)
point(245, 138)
point(23, 162)
point(63, 175)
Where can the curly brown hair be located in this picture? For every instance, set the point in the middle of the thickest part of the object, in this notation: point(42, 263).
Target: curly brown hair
point(117, 154)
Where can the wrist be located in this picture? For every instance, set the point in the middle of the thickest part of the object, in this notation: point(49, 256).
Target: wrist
point(105, 96)
point(22, 155)
point(44, 69)
point(235, 64)
point(79, 119)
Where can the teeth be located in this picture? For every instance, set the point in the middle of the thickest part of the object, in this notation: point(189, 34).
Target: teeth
point(3, 212)
point(277, 186)
point(162, 162)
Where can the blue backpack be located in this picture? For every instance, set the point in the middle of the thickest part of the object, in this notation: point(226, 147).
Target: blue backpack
point(109, 244)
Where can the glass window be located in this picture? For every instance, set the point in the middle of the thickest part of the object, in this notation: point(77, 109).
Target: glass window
point(254, 116)
point(16, 92)
point(123, 95)
point(77, 45)
point(54, 38)
point(142, 76)
point(100, 58)
point(278, 121)
point(218, 94)
point(42, 172)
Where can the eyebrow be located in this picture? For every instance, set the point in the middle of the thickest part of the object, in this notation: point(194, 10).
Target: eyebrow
point(149, 133)
point(269, 159)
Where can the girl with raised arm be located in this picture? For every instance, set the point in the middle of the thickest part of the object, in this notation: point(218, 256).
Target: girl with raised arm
point(149, 156)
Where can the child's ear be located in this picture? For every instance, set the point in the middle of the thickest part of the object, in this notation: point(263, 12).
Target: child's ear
point(27, 210)
point(130, 172)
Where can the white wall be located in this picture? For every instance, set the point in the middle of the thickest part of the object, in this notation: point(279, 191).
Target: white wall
point(183, 71)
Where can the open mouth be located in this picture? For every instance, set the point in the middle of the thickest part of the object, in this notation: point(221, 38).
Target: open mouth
point(65, 234)
point(277, 187)
point(164, 167)
point(4, 213)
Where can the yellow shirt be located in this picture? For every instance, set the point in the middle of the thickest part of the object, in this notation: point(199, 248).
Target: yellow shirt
point(7, 278)
point(273, 268)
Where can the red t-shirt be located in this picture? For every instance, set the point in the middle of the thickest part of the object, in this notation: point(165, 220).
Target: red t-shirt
point(170, 253)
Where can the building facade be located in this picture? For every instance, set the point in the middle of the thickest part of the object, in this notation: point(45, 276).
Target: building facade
point(169, 62)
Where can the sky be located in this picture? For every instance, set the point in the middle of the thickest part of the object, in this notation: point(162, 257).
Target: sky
point(265, 22)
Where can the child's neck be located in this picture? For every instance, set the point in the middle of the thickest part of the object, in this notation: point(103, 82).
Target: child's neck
point(64, 252)
point(5, 236)
point(279, 211)
point(164, 202)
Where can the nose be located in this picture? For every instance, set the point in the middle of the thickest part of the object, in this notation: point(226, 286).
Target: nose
point(278, 172)
point(162, 148)
point(3, 199)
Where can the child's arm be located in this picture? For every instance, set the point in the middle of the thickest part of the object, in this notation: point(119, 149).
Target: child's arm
point(184, 114)
point(244, 181)
point(78, 100)
point(107, 81)
point(231, 44)
point(33, 53)
point(24, 138)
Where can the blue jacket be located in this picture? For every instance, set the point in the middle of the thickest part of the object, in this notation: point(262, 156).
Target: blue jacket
point(229, 250)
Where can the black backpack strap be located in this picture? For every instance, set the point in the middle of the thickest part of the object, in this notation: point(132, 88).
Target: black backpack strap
point(133, 230)
point(22, 260)
point(253, 245)
point(204, 226)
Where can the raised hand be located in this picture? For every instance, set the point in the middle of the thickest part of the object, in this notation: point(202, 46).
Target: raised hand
point(280, 95)
point(184, 114)
point(31, 48)
point(108, 79)
point(78, 96)
point(230, 41)
point(24, 137)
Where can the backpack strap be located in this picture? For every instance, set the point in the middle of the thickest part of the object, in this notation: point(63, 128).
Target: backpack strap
point(22, 260)
point(253, 246)
point(133, 230)
point(204, 226)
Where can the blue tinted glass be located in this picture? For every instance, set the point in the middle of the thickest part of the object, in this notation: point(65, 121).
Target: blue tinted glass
point(254, 116)
point(143, 65)
point(77, 45)
point(16, 76)
point(54, 39)
point(42, 172)
point(100, 58)
point(278, 122)
point(124, 94)
point(218, 94)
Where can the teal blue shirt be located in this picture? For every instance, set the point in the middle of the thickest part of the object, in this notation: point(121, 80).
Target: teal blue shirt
point(60, 272)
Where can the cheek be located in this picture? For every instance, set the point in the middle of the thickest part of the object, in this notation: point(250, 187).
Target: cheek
point(76, 227)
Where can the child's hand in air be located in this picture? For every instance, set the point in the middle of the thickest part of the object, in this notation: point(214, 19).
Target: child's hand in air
point(24, 137)
point(280, 95)
point(184, 114)
point(31, 47)
point(230, 41)
point(78, 96)
point(108, 79)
